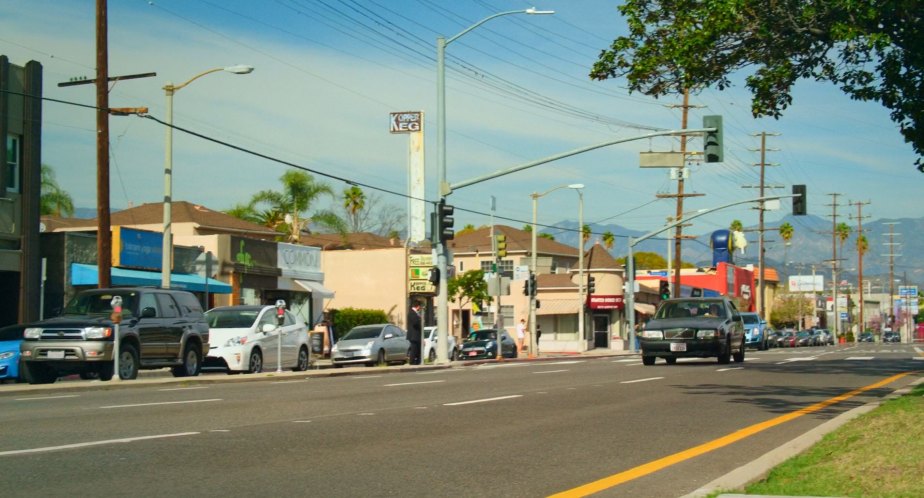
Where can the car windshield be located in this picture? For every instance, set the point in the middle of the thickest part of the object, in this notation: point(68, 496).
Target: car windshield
point(362, 333)
point(100, 303)
point(482, 335)
point(750, 319)
point(231, 318)
point(692, 309)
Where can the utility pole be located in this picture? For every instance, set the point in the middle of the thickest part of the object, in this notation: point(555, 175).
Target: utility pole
point(760, 227)
point(678, 236)
point(837, 315)
point(891, 243)
point(860, 251)
point(103, 233)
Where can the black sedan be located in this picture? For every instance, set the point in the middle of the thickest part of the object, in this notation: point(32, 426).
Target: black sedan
point(693, 328)
point(891, 337)
point(482, 344)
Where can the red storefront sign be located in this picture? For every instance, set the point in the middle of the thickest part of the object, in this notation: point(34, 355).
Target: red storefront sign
point(598, 302)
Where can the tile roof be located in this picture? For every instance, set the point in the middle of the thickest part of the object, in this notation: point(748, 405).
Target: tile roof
point(354, 241)
point(518, 242)
point(598, 258)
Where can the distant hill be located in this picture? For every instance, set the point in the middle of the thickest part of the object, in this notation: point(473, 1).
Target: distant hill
point(811, 245)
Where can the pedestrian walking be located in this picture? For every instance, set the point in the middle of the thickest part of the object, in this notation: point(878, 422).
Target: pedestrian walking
point(538, 336)
point(521, 334)
point(414, 332)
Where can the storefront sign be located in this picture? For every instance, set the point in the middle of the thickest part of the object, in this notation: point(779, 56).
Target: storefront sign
point(139, 249)
point(297, 261)
point(599, 302)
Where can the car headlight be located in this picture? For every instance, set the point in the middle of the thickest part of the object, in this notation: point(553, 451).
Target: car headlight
point(707, 334)
point(236, 341)
point(32, 333)
point(97, 332)
point(651, 334)
point(333, 348)
point(6, 355)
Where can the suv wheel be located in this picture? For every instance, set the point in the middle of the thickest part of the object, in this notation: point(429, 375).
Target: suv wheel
point(36, 373)
point(191, 363)
point(725, 355)
point(128, 362)
point(648, 360)
point(739, 356)
point(303, 360)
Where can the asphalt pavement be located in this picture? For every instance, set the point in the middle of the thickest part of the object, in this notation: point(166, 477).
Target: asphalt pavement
point(736, 479)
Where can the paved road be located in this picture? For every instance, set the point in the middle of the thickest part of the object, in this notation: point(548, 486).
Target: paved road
point(576, 425)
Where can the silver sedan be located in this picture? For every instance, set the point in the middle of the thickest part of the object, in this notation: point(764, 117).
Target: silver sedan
point(379, 344)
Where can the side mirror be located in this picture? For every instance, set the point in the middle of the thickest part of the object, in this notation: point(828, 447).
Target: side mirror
point(148, 312)
point(389, 336)
point(267, 328)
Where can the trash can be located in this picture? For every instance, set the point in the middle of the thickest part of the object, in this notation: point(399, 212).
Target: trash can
point(317, 343)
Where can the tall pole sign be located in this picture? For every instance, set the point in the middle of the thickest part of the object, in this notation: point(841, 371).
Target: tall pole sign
point(411, 123)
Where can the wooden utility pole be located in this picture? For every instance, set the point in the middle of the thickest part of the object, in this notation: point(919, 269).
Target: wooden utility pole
point(837, 316)
point(860, 250)
point(761, 306)
point(103, 233)
point(891, 243)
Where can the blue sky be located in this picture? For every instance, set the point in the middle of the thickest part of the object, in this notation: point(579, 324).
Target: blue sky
point(328, 72)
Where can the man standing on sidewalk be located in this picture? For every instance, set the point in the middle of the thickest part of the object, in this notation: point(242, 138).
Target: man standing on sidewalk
point(414, 332)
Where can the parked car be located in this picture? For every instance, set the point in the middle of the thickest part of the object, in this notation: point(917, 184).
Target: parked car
point(158, 328)
point(805, 338)
point(819, 338)
point(789, 339)
point(246, 339)
point(866, 337)
point(694, 327)
point(378, 344)
point(755, 330)
point(430, 342)
point(482, 344)
point(828, 337)
point(891, 337)
point(775, 339)
point(10, 339)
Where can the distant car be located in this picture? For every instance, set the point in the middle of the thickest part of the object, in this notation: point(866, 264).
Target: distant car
point(482, 344)
point(10, 338)
point(755, 331)
point(370, 345)
point(829, 337)
point(805, 338)
point(429, 345)
point(694, 327)
point(819, 337)
point(789, 339)
point(775, 339)
point(891, 337)
point(867, 337)
point(245, 339)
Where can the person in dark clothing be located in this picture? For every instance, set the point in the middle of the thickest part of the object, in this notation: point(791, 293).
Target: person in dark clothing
point(414, 332)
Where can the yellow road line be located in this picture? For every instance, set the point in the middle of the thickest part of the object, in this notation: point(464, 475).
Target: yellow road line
point(662, 463)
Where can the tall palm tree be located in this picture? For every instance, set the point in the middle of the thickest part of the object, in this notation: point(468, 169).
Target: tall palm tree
point(862, 245)
point(299, 192)
point(354, 200)
point(608, 240)
point(786, 233)
point(736, 226)
point(585, 235)
point(843, 233)
point(54, 200)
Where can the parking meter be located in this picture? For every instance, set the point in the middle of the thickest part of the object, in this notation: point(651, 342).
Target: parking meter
point(280, 321)
point(280, 312)
point(116, 317)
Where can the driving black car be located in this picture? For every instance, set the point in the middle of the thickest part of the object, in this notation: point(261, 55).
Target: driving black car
point(482, 344)
point(694, 327)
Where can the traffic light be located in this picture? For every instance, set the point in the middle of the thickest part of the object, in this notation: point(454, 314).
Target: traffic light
point(443, 222)
point(533, 287)
point(527, 286)
point(501, 241)
point(664, 289)
point(591, 285)
point(799, 202)
point(434, 276)
point(713, 149)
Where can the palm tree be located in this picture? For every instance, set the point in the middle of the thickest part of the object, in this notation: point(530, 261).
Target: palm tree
point(608, 240)
point(54, 199)
point(281, 210)
point(736, 226)
point(843, 233)
point(354, 200)
point(786, 233)
point(585, 235)
point(862, 245)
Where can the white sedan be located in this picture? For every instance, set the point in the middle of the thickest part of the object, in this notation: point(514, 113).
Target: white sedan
point(247, 339)
point(429, 345)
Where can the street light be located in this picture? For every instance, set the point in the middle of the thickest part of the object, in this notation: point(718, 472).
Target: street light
point(442, 308)
point(532, 266)
point(170, 89)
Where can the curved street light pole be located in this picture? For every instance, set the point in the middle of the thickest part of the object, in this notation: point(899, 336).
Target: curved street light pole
point(442, 252)
point(170, 89)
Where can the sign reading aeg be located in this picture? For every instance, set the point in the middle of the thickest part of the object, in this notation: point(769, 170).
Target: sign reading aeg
point(406, 122)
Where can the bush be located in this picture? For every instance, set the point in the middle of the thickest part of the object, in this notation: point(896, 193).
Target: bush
point(849, 337)
point(347, 318)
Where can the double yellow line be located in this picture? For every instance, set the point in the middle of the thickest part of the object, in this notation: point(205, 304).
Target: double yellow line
point(662, 463)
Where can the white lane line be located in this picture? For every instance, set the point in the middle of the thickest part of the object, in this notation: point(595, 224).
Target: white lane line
point(483, 400)
point(729, 369)
point(47, 397)
point(183, 388)
point(552, 371)
point(640, 380)
point(93, 443)
point(790, 360)
point(366, 377)
point(415, 383)
point(566, 362)
point(302, 421)
point(627, 360)
point(862, 358)
point(288, 381)
point(161, 403)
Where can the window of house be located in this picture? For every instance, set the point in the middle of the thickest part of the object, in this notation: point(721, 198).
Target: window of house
point(504, 267)
point(13, 161)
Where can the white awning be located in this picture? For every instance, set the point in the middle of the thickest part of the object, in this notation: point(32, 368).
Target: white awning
point(315, 288)
point(558, 307)
point(645, 308)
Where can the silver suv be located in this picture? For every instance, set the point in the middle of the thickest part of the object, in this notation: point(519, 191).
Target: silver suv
point(158, 328)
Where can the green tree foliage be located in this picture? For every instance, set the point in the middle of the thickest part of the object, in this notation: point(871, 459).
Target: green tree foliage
point(789, 308)
point(54, 200)
point(347, 318)
point(468, 287)
point(736, 226)
point(608, 240)
point(650, 261)
point(870, 50)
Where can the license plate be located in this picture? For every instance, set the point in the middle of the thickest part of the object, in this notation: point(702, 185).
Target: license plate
point(56, 355)
point(678, 346)
point(473, 353)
